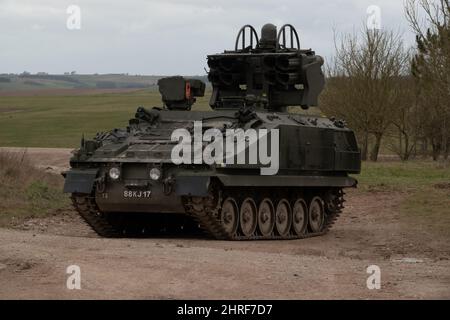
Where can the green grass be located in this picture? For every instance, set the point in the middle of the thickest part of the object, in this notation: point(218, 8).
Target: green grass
point(424, 188)
point(59, 121)
point(403, 176)
point(428, 207)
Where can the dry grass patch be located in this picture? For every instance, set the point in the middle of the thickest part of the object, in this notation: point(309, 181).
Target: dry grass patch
point(27, 192)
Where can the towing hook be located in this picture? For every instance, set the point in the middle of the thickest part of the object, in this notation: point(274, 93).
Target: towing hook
point(168, 184)
point(100, 184)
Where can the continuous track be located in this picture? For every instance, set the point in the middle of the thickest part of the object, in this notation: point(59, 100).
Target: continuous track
point(207, 212)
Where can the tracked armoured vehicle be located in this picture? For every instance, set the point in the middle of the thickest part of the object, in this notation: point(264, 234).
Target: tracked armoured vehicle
point(142, 178)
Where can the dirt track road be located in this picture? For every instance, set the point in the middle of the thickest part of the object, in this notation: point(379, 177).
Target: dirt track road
point(414, 262)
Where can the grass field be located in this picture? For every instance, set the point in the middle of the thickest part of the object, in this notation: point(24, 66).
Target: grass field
point(59, 121)
point(403, 176)
point(59, 118)
point(423, 187)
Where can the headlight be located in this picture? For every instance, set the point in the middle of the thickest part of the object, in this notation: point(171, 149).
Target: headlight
point(155, 174)
point(114, 173)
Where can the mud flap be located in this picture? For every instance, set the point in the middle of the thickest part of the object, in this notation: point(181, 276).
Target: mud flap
point(192, 186)
point(80, 181)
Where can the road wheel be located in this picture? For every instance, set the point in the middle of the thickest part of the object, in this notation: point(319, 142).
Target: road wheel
point(316, 215)
point(230, 216)
point(266, 217)
point(248, 217)
point(300, 217)
point(283, 218)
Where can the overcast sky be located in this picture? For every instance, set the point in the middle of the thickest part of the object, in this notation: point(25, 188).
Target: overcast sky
point(165, 37)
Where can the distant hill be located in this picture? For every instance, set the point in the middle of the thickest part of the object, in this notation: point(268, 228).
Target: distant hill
point(25, 81)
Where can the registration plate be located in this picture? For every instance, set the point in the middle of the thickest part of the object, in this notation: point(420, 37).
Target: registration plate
point(136, 194)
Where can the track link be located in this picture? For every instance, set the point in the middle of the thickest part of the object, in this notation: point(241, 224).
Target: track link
point(119, 225)
point(88, 210)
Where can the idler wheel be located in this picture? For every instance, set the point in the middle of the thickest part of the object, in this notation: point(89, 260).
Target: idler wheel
point(283, 218)
point(248, 217)
point(316, 215)
point(300, 217)
point(266, 217)
point(230, 216)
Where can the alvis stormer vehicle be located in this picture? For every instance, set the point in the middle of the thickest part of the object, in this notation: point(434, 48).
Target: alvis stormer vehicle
point(248, 169)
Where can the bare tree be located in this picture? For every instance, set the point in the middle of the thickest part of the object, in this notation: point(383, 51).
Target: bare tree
point(430, 20)
point(335, 102)
point(407, 128)
point(364, 85)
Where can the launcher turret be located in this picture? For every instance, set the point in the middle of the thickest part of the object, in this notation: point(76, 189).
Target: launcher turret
point(270, 72)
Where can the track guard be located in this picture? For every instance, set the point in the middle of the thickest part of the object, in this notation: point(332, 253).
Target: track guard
point(80, 181)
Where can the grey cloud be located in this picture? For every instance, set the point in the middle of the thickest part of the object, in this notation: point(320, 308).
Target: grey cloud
point(163, 37)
